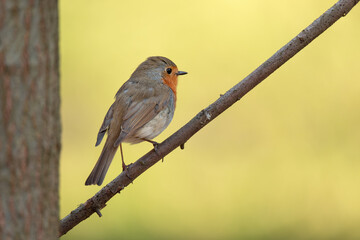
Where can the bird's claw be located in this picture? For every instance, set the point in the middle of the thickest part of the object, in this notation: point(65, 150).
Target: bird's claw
point(155, 144)
point(125, 167)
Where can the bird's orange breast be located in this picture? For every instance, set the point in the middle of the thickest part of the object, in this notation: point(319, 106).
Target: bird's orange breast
point(171, 81)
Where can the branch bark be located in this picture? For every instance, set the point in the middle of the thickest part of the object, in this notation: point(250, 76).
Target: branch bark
point(98, 201)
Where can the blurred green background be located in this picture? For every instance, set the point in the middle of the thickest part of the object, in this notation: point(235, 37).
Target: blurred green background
point(283, 163)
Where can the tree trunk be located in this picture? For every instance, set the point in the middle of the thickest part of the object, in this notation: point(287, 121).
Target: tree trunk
point(29, 119)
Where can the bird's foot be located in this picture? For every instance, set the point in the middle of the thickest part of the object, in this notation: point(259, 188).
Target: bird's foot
point(125, 167)
point(155, 144)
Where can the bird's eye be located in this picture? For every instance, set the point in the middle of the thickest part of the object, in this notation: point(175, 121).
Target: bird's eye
point(168, 70)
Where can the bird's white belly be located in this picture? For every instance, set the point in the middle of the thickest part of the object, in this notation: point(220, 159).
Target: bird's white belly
point(156, 125)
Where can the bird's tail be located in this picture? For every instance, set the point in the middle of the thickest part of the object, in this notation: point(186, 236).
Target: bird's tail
point(97, 175)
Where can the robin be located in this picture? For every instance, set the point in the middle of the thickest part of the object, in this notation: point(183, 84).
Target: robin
point(144, 106)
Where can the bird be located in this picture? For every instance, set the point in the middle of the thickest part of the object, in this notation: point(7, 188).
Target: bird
point(144, 106)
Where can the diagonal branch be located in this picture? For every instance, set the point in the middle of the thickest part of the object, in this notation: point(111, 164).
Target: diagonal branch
point(98, 201)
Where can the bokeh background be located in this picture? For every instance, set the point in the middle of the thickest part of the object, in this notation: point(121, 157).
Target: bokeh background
point(283, 163)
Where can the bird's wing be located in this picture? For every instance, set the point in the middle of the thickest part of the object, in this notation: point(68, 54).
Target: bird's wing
point(105, 125)
point(120, 103)
point(144, 105)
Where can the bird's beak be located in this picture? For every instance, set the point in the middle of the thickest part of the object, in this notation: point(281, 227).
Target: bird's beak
point(181, 73)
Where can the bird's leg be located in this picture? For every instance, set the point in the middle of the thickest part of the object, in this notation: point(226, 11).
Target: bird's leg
point(155, 144)
point(124, 167)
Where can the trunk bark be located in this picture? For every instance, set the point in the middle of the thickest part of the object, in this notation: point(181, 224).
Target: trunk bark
point(29, 119)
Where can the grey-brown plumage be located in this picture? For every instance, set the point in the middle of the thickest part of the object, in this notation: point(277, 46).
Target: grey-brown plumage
point(144, 106)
